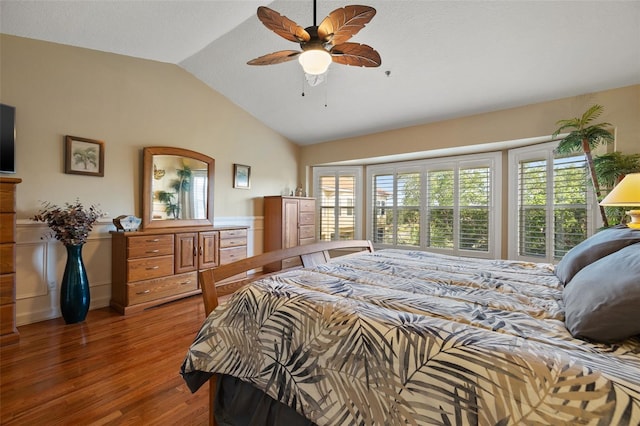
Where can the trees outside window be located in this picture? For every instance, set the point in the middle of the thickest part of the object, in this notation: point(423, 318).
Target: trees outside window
point(446, 205)
point(552, 201)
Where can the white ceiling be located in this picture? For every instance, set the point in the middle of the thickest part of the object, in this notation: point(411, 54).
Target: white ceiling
point(444, 59)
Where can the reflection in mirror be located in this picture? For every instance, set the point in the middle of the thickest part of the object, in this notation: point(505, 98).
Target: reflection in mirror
point(177, 188)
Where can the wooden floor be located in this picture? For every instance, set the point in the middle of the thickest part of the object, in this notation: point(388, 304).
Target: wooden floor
point(108, 370)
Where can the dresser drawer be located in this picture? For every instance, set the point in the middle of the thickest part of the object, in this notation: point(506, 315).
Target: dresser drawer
point(7, 258)
point(7, 227)
point(150, 245)
point(148, 290)
point(7, 289)
point(306, 231)
point(305, 241)
point(7, 315)
point(233, 233)
point(232, 254)
point(151, 267)
point(306, 219)
point(307, 206)
point(233, 242)
point(7, 197)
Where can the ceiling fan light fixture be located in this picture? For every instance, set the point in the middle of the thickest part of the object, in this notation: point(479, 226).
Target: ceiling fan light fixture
point(315, 61)
point(315, 79)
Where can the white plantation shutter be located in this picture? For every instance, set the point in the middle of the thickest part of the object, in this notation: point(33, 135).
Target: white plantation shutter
point(440, 208)
point(383, 209)
point(570, 203)
point(446, 205)
point(474, 203)
point(532, 202)
point(337, 191)
point(552, 202)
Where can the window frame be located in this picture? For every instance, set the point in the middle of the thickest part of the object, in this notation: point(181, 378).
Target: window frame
point(544, 151)
point(337, 172)
point(491, 160)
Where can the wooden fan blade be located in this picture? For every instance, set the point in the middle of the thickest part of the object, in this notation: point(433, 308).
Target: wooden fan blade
point(356, 54)
point(342, 24)
point(275, 57)
point(282, 25)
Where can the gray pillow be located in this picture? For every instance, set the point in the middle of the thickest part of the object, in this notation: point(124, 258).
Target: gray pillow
point(602, 302)
point(593, 248)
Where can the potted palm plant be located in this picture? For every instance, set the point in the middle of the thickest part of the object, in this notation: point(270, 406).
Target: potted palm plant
point(585, 136)
point(611, 168)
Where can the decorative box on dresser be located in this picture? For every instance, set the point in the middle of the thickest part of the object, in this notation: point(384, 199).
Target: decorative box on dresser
point(288, 222)
point(8, 331)
point(152, 267)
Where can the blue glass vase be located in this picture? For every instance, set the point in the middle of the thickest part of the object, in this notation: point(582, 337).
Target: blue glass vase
point(74, 294)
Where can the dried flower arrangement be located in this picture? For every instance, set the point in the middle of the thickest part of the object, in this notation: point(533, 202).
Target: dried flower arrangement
point(70, 224)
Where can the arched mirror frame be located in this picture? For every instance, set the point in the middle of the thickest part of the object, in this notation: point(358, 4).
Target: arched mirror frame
point(148, 221)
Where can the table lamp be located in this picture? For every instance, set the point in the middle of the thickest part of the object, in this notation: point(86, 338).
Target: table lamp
point(626, 194)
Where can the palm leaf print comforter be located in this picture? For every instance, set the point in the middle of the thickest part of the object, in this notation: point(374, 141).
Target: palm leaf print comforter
point(410, 337)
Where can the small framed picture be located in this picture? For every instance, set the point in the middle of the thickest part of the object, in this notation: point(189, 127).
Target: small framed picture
point(83, 156)
point(241, 176)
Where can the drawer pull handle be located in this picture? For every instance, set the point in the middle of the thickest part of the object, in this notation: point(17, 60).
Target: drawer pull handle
point(151, 268)
point(144, 292)
point(185, 282)
point(155, 240)
point(153, 251)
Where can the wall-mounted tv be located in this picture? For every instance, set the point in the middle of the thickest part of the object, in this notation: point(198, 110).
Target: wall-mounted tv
point(7, 139)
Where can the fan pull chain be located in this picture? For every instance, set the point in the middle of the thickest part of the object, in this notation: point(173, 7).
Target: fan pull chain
point(326, 85)
point(303, 78)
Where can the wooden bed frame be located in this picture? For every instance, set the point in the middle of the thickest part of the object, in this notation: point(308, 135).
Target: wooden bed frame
point(309, 255)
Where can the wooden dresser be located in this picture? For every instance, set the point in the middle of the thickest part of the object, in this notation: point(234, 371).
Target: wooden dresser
point(8, 331)
point(158, 266)
point(288, 222)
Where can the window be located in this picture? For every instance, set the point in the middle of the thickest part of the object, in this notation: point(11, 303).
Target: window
point(337, 191)
point(549, 203)
point(396, 216)
point(448, 205)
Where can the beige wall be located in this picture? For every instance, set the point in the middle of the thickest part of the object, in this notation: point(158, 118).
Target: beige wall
point(128, 103)
point(622, 109)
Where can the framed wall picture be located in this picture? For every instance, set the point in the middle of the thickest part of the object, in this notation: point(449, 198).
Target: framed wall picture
point(241, 176)
point(83, 156)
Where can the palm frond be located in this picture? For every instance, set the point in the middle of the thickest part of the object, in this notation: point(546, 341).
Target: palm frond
point(597, 135)
point(591, 114)
point(573, 123)
point(570, 144)
point(612, 166)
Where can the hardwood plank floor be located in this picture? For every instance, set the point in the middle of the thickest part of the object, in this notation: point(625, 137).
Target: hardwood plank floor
point(108, 370)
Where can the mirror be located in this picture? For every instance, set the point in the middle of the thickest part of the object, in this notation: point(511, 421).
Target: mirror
point(177, 188)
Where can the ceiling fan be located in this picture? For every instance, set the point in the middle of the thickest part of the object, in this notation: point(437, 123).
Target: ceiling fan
point(321, 44)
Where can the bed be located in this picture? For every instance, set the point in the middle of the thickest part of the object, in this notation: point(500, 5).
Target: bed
point(410, 337)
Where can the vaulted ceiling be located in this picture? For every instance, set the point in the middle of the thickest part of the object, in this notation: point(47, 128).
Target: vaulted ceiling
point(440, 59)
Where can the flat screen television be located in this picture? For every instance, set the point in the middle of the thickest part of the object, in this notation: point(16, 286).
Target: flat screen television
point(7, 139)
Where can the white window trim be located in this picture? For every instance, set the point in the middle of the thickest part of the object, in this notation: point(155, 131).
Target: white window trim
point(535, 152)
point(336, 171)
point(493, 160)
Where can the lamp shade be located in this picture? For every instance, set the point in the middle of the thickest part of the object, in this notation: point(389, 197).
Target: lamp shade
point(315, 61)
point(625, 194)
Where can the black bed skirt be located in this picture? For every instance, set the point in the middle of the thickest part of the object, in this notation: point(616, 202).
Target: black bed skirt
point(238, 403)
